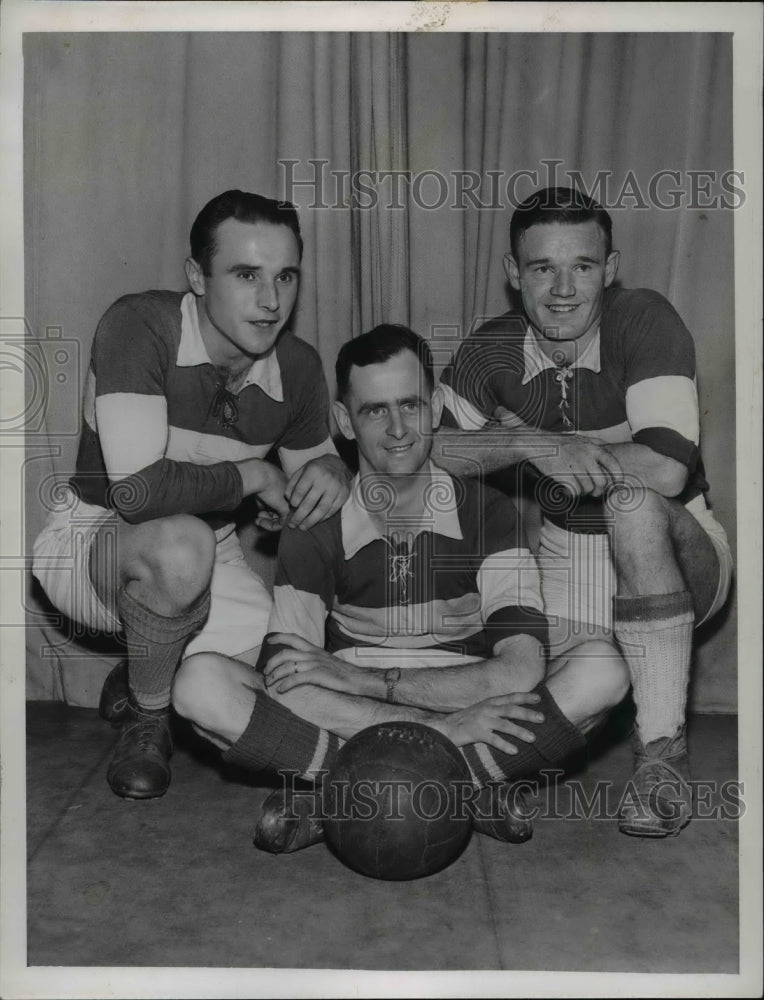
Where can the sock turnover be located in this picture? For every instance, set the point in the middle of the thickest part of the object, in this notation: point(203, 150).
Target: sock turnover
point(276, 739)
point(556, 739)
point(655, 635)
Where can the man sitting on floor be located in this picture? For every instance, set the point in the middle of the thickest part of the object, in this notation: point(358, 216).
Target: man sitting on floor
point(427, 599)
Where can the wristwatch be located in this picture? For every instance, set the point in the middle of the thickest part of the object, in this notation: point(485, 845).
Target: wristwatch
point(392, 676)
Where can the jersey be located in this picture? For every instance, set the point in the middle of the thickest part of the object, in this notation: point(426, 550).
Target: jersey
point(148, 359)
point(462, 583)
point(635, 381)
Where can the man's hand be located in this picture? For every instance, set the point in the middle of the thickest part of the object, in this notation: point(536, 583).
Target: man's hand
point(317, 490)
point(490, 721)
point(583, 465)
point(267, 483)
point(303, 663)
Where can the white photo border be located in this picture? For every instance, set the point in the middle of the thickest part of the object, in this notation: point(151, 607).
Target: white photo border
point(744, 21)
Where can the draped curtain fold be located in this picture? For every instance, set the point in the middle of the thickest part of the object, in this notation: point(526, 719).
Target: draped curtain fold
point(128, 135)
point(379, 146)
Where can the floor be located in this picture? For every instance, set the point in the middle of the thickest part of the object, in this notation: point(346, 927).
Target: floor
point(176, 881)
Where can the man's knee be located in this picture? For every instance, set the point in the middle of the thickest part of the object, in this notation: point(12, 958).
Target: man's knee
point(599, 668)
point(636, 505)
point(216, 694)
point(175, 558)
point(194, 687)
point(530, 675)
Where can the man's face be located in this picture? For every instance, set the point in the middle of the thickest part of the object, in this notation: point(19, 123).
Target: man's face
point(562, 272)
point(392, 414)
point(249, 295)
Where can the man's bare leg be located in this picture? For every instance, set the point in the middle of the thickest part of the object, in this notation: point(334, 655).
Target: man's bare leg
point(221, 696)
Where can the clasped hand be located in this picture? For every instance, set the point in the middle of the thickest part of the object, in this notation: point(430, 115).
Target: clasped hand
point(584, 465)
point(312, 494)
point(492, 720)
point(303, 663)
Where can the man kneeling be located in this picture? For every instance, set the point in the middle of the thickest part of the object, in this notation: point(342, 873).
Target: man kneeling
point(418, 601)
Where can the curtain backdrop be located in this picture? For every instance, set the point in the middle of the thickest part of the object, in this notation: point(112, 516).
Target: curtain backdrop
point(128, 135)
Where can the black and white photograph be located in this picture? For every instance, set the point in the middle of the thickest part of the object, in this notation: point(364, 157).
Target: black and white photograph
point(381, 517)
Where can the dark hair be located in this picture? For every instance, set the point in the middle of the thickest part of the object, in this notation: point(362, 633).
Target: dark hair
point(557, 204)
point(244, 207)
point(379, 345)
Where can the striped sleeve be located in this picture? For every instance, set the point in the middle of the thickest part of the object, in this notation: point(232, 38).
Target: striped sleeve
point(130, 357)
point(303, 593)
point(469, 397)
point(508, 579)
point(661, 391)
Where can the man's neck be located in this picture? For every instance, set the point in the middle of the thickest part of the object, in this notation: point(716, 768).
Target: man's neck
point(565, 352)
point(224, 356)
point(402, 499)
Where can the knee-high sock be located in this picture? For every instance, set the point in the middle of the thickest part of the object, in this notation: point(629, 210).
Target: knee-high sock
point(155, 644)
point(556, 739)
point(278, 740)
point(655, 634)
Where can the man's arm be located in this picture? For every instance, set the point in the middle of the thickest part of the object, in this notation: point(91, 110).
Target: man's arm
point(318, 483)
point(587, 464)
point(474, 453)
point(517, 666)
point(130, 412)
point(144, 484)
point(660, 400)
point(490, 721)
point(345, 714)
point(506, 581)
point(318, 480)
point(473, 442)
point(645, 467)
point(303, 594)
point(581, 463)
point(127, 405)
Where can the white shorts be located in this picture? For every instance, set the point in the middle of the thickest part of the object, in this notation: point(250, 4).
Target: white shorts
point(578, 579)
point(240, 603)
point(384, 657)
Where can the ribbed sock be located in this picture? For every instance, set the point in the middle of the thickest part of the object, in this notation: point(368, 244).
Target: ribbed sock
point(278, 740)
point(155, 644)
point(655, 634)
point(556, 739)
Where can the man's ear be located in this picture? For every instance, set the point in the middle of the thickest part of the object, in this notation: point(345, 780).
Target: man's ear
point(436, 403)
point(512, 271)
point(611, 267)
point(342, 417)
point(195, 276)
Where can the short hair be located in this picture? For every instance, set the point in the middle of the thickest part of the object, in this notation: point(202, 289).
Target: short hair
point(558, 204)
point(377, 346)
point(244, 207)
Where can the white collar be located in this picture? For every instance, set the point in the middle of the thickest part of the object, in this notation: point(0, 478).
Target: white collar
point(536, 361)
point(264, 373)
point(358, 528)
